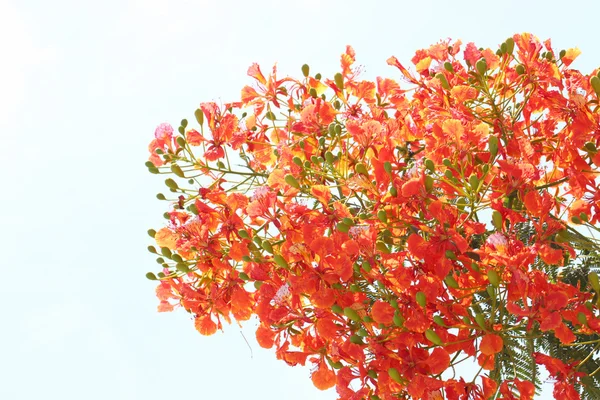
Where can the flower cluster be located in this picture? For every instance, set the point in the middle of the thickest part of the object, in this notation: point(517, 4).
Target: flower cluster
point(387, 231)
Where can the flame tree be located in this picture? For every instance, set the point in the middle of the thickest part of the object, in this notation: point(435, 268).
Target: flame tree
point(387, 231)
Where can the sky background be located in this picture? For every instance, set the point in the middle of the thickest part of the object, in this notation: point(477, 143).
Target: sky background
point(83, 85)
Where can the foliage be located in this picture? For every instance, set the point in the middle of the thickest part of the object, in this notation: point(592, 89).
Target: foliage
point(386, 232)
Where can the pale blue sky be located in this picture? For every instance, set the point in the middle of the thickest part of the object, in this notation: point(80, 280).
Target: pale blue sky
point(82, 86)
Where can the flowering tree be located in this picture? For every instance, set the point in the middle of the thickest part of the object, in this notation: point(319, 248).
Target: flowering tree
point(387, 231)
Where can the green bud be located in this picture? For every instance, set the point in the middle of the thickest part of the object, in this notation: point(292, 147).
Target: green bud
point(329, 157)
point(342, 227)
point(243, 234)
point(520, 69)
point(318, 76)
point(362, 332)
point(176, 258)
point(382, 216)
point(491, 290)
point(180, 141)
point(339, 81)
point(361, 169)
point(443, 81)
point(493, 145)
point(428, 183)
point(439, 320)
point(582, 318)
point(177, 170)
point(590, 147)
point(474, 182)
point(510, 46)
point(450, 255)
point(595, 82)
point(430, 165)
point(199, 116)
point(366, 266)
point(502, 49)
point(433, 337)
point(394, 303)
point(257, 284)
point(354, 288)
point(448, 67)
point(395, 375)
point(421, 299)
point(398, 320)
point(267, 246)
point(481, 66)
point(151, 276)
point(475, 267)
point(451, 282)
point(336, 309)
point(335, 365)
point(182, 268)
point(448, 174)
point(290, 180)
point(576, 219)
point(338, 129)
point(153, 170)
point(393, 191)
point(313, 93)
point(171, 184)
point(387, 166)
point(480, 319)
point(447, 162)
point(381, 246)
point(152, 249)
point(305, 70)
point(298, 161)
point(270, 116)
point(279, 260)
point(372, 374)
point(166, 252)
point(151, 233)
point(356, 339)
point(244, 276)
point(497, 220)
point(348, 221)
point(493, 277)
point(466, 320)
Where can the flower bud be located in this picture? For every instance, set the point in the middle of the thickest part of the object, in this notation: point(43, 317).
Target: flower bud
point(395, 375)
point(151, 276)
point(176, 169)
point(510, 45)
point(199, 116)
point(595, 82)
point(171, 184)
point(305, 70)
point(421, 299)
point(339, 81)
point(290, 180)
point(433, 337)
point(493, 277)
point(279, 260)
point(481, 66)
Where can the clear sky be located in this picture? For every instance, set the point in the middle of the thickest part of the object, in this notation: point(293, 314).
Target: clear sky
point(83, 84)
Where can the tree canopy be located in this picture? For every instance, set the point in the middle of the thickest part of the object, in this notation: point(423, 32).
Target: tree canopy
point(387, 231)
